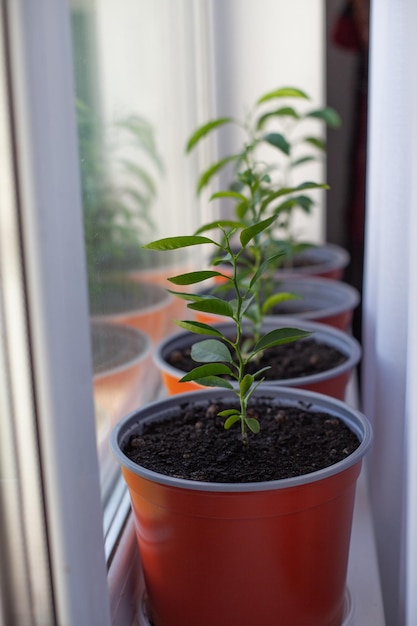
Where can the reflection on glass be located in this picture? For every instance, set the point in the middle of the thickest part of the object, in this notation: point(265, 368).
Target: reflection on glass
point(136, 103)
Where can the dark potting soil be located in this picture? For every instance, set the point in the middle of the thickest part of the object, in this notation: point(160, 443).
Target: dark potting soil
point(290, 360)
point(193, 444)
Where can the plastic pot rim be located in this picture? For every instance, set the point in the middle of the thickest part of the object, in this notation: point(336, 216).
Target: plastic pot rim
point(308, 400)
point(347, 344)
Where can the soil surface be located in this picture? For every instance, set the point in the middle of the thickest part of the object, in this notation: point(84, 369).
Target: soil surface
point(194, 445)
point(290, 360)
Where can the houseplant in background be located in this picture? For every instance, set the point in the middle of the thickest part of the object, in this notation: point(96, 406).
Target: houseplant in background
point(118, 193)
point(222, 542)
point(275, 146)
point(323, 363)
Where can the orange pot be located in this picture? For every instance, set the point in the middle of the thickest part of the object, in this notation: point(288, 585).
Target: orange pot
point(327, 261)
point(159, 276)
point(149, 310)
point(332, 382)
point(320, 300)
point(122, 364)
point(245, 553)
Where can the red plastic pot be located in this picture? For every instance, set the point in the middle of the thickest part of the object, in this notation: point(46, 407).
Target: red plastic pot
point(320, 300)
point(325, 261)
point(245, 553)
point(332, 382)
point(148, 310)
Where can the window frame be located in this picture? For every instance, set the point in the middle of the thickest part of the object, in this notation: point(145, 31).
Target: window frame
point(46, 178)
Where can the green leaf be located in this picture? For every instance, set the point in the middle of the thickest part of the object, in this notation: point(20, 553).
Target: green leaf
point(184, 295)
point(277, 298)
point(221, 224)
point(249, 233)
point(261, 371)
point(190, 278)
point(327, 115)
point(281, 112)
point(311, 185)
point(198, 328)
point(231, 420)
point(211, 351)
point(302, 160)
point(246, 384)
point(279, 336)
point(175, 243)
point(208, 174)
point(214, 381)
point(229, 194)
point(283, 92)
point(318, 143)
point(278, 141)
point(228, 412)
point(202, 131)
point(304, 202)
point(263, 267)
point(203, 371)
point(214, 305)
point(253, 424)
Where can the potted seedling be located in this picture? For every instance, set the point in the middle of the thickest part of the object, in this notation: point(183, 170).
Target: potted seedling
point(117, 194)
point(323, 363)
point(276, 144)
point(236, 521)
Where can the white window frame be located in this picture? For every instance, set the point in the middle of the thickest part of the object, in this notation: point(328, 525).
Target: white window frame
point(47, 186)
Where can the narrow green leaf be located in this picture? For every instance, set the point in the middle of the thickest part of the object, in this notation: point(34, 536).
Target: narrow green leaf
point(318, 143)
point(327, 115)
point(249, 233)
point(202, 131)
point(278, 141)
point(231, 420)
point(277, 298)
point(253, 424)
point(175, 243)
point(208, 174)
point(220, 224)
point(228, 412)
point(302, 160)
point(246, 384)
point(212, 305)
point(211, 351)
point(281, 112)
point(279, 336)
point(184, 295)
point(283, 92)
point(203, 371)
point(263, 267)
point(214, 381)
point(311, 185)
point(229, 194)
point(198, 328)
point(261, 371)
point(304, 202)
point(190, 278)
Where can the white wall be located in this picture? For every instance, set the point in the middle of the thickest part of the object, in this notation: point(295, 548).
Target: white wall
point(263, 45)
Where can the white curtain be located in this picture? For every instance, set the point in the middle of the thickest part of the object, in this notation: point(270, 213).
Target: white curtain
point(390, 301)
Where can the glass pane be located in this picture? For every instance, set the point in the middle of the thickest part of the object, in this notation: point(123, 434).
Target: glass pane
point(136, 103)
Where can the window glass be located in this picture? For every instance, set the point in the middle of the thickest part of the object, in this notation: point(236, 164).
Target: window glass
point(138, 74)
